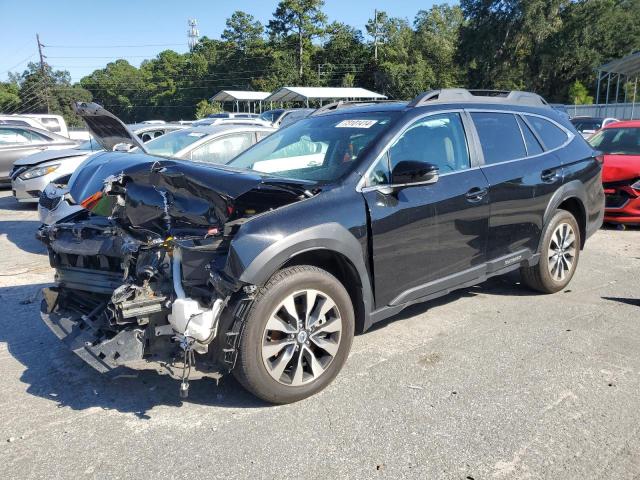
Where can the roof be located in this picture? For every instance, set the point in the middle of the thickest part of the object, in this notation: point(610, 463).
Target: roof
point(227, 127)
point(239, 95)
point(629, 65)
point(139, 127)
point(298, 94)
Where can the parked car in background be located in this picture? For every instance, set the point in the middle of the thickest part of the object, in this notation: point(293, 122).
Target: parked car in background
point(620, 144)
point(267, 266)
point(20, 121)
point(53, 123)
point(587, 126)
point(232, 115)
point(236, 121)
point(17, 142)
point(208, 144)
point(283, 117)
point(30, 175)
point(154, 122)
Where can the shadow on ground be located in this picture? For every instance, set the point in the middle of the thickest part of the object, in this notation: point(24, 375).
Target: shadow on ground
point(57, 374)
point(9, 203)
point(635, 302)
point(22, 233)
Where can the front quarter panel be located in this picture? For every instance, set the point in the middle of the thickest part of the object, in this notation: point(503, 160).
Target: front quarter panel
point(333, 220)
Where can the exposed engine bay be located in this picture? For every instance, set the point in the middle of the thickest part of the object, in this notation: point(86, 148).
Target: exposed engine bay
point(141, 273)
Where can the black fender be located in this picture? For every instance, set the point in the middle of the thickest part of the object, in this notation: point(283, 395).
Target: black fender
point(573, 189)
point(332, 237)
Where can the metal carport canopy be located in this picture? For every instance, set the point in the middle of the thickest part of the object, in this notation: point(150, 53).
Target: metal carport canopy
point(304, 94)
point(239, 96)
point(629, 65)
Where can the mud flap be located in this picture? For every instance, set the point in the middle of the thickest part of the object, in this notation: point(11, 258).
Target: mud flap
point(103, 355)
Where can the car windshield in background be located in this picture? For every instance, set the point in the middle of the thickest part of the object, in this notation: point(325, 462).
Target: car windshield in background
point(588, 125)
point(321, 148)
point(621, 141)
point(90, 145)
point(271, 115)
point(171, 143)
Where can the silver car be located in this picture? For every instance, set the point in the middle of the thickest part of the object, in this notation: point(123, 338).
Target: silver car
point(30, 175)
point(18, 141)
point(209, 144)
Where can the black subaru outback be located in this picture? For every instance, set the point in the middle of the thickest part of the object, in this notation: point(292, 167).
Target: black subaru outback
point(266, 267)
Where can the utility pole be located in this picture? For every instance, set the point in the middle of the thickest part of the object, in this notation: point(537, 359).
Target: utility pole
point(43, 71)
point(375, 35)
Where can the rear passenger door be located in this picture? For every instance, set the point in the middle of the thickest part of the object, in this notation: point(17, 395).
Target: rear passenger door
point(522, 174)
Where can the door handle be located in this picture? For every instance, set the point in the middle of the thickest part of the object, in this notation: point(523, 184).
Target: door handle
point(549, 176)
point(476, 194)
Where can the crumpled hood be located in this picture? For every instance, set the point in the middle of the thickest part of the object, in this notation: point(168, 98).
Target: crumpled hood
point(90, 176)
point(620, 167)
point(48, 155)
point(167, 196)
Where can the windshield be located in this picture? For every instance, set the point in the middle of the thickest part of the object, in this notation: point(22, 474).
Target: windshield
point(321, 148)
point(621, 141)
point(90, 144)
point(171, 143)
point(271, 115)
point(587, 125)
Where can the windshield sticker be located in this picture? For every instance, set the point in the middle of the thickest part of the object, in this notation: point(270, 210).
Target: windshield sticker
point(356, 124)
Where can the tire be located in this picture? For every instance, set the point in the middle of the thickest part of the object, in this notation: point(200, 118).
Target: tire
point(282, 363)
point(557, 263)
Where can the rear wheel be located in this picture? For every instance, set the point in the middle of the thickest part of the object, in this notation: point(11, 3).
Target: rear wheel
point(559, 255)
point(297, 336)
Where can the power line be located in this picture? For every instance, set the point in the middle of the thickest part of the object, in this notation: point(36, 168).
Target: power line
point(42, 70)
point(118, 46)
point(20, 62)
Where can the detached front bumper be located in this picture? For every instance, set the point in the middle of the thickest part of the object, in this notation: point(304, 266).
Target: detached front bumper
point(80, 336)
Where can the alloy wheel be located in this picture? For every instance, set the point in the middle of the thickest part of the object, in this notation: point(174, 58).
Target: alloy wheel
point(562, 252)
point(301, 337)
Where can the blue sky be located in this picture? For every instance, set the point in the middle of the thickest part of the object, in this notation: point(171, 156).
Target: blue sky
point(94, 28)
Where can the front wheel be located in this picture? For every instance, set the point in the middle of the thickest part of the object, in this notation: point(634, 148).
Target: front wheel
point(297, 336)
point(559, 255)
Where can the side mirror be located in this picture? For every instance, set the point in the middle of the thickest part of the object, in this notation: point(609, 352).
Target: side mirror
point(413, 172)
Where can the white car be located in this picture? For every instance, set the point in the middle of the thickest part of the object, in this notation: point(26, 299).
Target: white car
point(32, 174)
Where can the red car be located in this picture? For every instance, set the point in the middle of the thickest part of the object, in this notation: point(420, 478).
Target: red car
point(620, 143)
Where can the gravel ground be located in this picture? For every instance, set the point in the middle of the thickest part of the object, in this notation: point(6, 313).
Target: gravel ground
point(492, 381)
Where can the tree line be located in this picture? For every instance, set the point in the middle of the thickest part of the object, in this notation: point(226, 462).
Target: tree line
point(548, 46)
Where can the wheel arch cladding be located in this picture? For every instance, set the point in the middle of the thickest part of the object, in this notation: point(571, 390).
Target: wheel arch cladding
point(329, 246)
point(572, 198)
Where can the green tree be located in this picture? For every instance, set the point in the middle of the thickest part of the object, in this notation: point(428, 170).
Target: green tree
point(9, 96)
point(437, 38)
point(342, 55)
point(242, 30)
point(579, 95)
point(303, 19)
point(205, 107)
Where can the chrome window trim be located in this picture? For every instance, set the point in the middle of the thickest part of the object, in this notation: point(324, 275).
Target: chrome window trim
point(570, 137)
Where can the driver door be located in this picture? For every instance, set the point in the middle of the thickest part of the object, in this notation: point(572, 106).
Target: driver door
point(427, 238)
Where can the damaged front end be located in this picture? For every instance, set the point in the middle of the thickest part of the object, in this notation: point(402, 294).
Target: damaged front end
point(141, 274)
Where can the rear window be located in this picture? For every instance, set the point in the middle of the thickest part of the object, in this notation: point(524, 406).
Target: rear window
point(500, 137)
point(552, 136)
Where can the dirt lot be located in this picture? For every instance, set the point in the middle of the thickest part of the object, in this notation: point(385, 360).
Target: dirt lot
point(490, 382)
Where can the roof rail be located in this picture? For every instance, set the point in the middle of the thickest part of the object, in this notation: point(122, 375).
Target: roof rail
point(464, 95)
point(346, 104)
